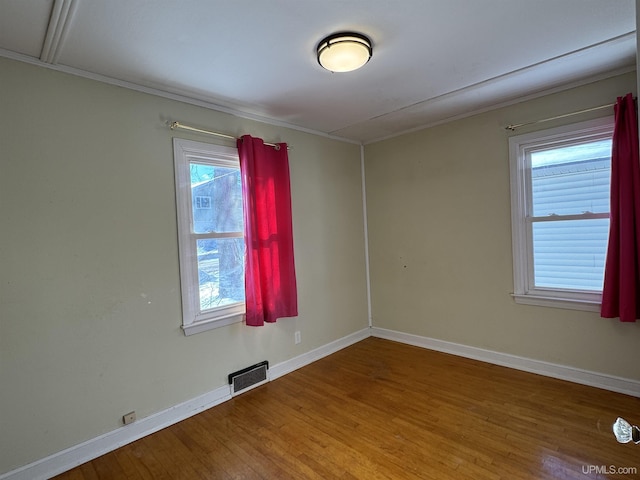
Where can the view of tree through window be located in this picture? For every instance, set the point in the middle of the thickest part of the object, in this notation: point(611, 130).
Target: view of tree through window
point(219, 234)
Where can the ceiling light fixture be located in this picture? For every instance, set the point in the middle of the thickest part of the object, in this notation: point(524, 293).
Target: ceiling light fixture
point(344, 51)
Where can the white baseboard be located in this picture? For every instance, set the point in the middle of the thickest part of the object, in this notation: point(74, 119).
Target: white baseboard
point(584, 377)
point(72, 457)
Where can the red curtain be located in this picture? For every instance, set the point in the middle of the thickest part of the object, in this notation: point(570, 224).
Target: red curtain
point(270, 277)
point(621, 292)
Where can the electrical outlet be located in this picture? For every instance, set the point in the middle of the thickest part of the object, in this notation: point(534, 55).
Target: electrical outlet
point(298, 337)
point(128, 418)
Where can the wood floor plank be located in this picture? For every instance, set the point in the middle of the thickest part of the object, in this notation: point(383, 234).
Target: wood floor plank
point(75, 474)
point(382, 410)
point(88, 470)
point(217, 422)
point(130, 461)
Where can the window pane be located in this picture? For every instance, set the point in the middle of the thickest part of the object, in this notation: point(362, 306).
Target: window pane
point(216, 195)
point(571, 180)
point(220, 272)
point(570, 254)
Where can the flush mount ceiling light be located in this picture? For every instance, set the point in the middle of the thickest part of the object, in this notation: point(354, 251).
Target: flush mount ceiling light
point(344, 51)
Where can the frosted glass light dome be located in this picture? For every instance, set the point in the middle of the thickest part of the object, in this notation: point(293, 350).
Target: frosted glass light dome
point(344, 52)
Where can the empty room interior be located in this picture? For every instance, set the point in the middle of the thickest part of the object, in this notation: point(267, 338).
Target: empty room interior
point(428, 333)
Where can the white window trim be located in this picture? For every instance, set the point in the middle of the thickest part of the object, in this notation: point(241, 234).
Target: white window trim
point(524, 289)
point(193, 320)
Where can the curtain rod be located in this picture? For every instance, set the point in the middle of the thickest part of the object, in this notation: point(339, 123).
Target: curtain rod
point(512, 127)
point(181, 126)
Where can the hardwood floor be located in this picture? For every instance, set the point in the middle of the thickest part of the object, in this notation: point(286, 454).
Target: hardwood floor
point(383, 410)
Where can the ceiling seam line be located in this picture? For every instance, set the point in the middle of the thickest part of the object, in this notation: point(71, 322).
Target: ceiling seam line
point(57, 29)
point(486, 81)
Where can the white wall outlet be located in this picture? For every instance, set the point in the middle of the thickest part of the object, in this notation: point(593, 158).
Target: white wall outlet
point(128, 418)
point(298, 337)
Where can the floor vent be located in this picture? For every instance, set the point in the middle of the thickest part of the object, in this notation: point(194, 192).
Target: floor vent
point(249, 378)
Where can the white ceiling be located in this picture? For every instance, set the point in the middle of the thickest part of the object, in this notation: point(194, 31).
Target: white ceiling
point(433, 60)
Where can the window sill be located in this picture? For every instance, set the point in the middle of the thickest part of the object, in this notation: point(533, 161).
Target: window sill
point(567, 303)
point(210, 324)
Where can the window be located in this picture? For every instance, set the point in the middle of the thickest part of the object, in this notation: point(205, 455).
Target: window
point(560, 182)
point(210, 235)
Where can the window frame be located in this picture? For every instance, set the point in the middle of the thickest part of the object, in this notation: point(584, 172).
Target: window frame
point(525, 291)
point(195, 320)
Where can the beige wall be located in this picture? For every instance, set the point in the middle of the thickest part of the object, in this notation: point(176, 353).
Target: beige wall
point(89, 296)
point(440, 241)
